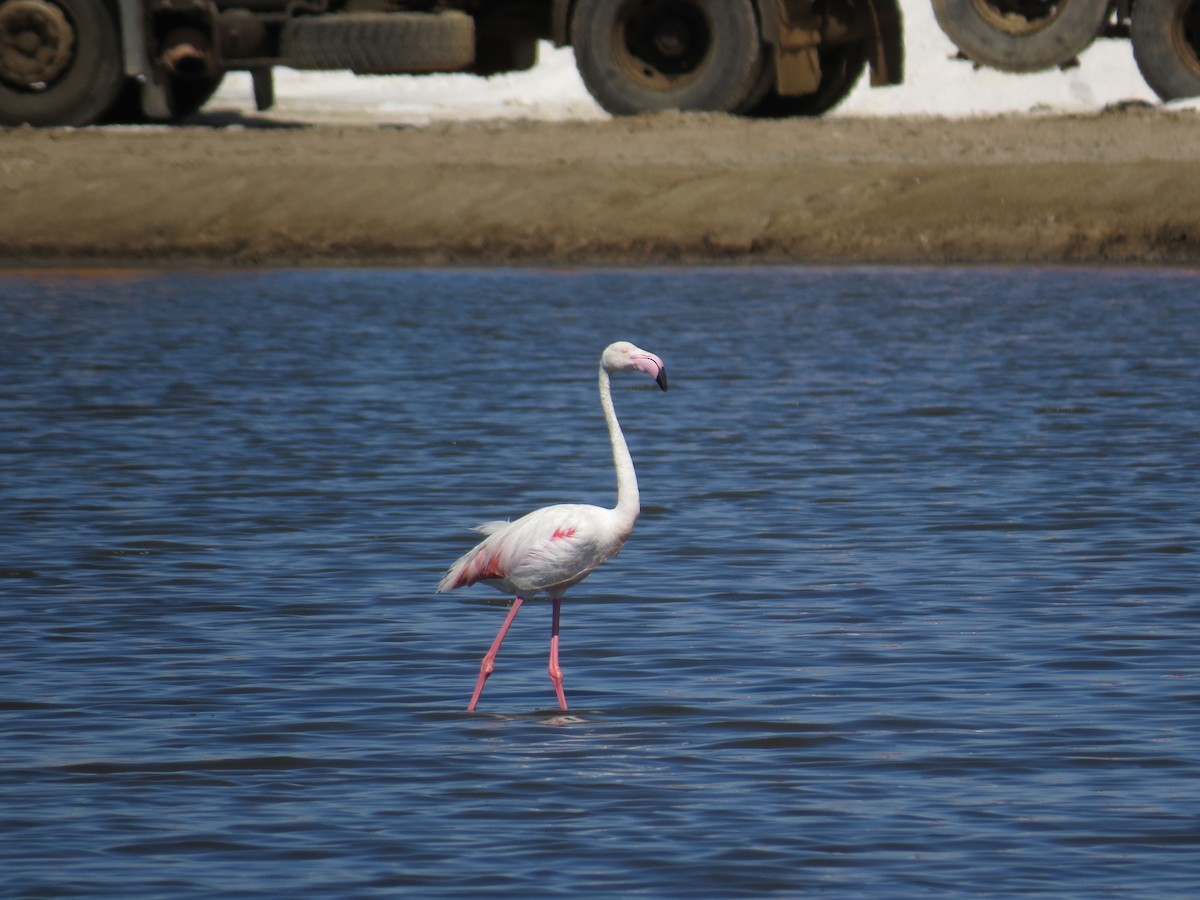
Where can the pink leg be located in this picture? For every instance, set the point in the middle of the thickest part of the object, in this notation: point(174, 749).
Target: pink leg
point(555, 671)
point(489, 659)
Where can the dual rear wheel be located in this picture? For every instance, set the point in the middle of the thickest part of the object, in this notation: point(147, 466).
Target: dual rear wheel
point(642, 55)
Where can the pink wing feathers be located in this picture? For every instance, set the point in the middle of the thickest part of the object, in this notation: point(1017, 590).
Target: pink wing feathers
point(484, 562)
point(549, 548)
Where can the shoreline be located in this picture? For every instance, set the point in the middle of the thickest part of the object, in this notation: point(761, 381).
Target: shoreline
point(1121, 187)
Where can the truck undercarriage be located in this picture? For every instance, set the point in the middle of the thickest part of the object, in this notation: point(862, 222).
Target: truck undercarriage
point(76, 62)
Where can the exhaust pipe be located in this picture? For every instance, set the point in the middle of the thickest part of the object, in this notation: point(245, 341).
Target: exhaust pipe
point(187, 52)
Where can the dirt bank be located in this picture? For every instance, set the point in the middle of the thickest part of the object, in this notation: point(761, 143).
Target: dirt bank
point(1120, 186)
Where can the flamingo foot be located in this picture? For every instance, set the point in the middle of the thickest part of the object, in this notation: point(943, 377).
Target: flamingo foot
point(489, 659)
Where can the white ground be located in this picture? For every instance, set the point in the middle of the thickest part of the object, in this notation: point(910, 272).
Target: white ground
point(935, 84)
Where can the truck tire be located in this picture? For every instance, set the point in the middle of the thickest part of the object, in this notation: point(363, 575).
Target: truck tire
point(1166, 45)
point(841, 67)
point(60, 62)
point(641, 55)
point(1021, 35)
point(381, 43)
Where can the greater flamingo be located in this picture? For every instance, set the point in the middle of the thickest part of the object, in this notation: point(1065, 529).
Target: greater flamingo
point(552, 548)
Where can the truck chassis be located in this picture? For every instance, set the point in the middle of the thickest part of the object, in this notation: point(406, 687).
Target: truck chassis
point(78, 62)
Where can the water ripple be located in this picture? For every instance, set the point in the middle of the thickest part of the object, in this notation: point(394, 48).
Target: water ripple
point(910, 609)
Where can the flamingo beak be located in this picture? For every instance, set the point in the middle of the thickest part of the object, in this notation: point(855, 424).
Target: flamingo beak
point(651, 365)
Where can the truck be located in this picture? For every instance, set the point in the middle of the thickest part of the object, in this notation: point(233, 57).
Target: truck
point(79, 62)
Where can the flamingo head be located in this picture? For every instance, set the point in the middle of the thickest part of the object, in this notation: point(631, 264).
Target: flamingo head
point(626, 357)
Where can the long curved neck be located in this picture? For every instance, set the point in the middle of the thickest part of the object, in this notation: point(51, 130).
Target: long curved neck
point(628, 500)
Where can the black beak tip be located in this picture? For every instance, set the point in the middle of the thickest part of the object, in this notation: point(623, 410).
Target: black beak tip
point(661, 380)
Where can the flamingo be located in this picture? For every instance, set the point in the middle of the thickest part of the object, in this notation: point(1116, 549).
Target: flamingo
point(555, 547)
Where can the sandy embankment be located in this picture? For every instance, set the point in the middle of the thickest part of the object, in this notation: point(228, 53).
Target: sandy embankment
point(1121, 186)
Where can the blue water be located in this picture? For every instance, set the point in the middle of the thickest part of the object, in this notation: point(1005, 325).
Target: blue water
point(912, 608)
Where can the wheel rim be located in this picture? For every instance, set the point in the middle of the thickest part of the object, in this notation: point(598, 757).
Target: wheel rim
point(37, 44)
point(1185, 35)
point(662, 45)
point(1019, 17)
